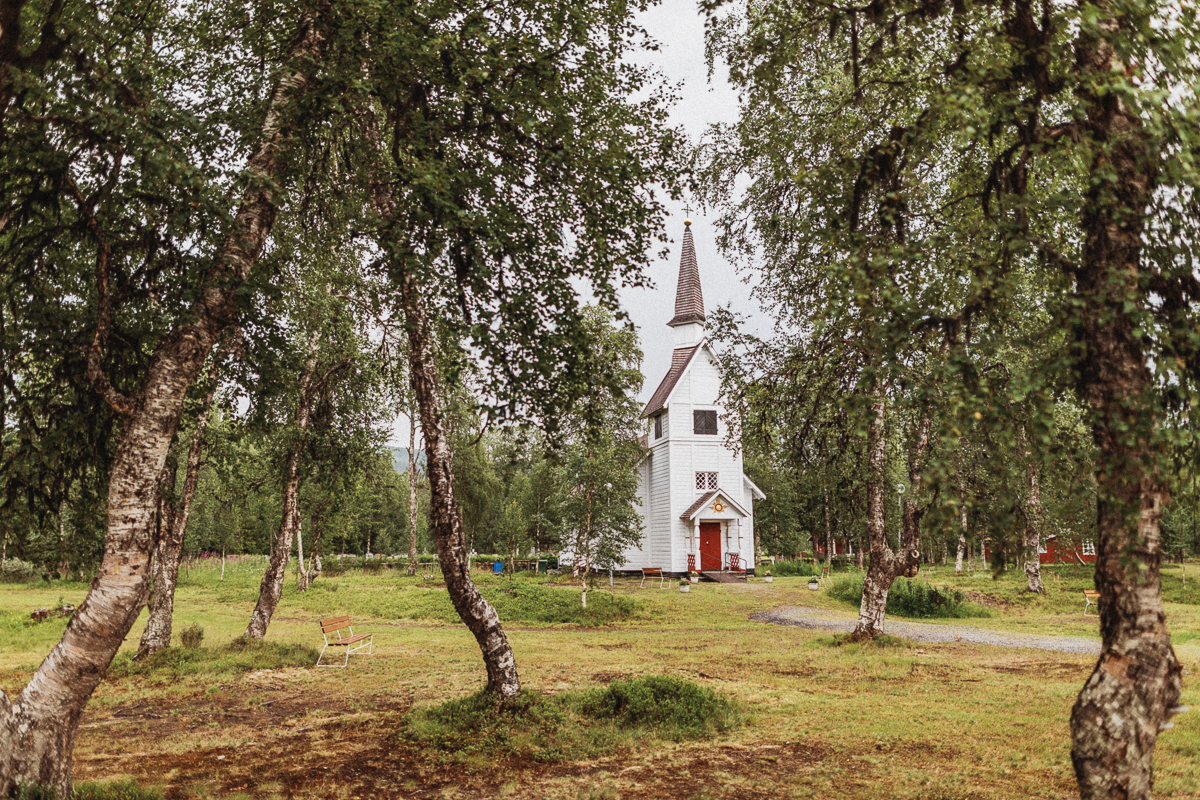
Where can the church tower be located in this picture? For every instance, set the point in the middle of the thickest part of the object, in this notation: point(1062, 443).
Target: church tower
point(697, 505)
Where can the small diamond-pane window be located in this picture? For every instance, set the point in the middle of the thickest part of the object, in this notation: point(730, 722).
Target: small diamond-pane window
point(705, 422)
point(706, 481)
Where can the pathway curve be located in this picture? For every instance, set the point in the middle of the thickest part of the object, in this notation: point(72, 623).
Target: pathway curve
point(825, 620)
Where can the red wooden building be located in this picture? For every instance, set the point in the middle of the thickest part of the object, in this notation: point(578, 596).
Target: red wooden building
point(1052, 551)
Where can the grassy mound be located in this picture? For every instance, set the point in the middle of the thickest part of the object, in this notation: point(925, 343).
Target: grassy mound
point(480, 729)
point(909, 598)
point(672, 708)
point(240, 655)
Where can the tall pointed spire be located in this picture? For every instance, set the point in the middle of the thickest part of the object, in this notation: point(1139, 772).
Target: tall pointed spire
point(689, 300)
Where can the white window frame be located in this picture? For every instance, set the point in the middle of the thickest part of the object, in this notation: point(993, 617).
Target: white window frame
point(708, 482)
point(1088, 548)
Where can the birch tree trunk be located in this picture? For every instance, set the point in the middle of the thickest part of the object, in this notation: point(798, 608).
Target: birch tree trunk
point(412, 495)
point(828, 533)
point(303, 578)
point(1033, 519)
point(887, 565)
point(1135, 686)
point(962, 526)
point(37, 729)
point(271, 587)
point(157, 635)
point(476, 613)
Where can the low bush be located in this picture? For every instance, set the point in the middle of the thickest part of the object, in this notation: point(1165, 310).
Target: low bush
point(673, 708)
point(909, 598)
point(192, 636)
point(569, 726)
point(786, 569)
point(14, 570)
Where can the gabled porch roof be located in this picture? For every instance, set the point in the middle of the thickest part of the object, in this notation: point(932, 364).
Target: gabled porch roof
point(706, 499)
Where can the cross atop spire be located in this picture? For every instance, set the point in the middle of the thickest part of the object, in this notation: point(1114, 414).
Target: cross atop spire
point(689, 300)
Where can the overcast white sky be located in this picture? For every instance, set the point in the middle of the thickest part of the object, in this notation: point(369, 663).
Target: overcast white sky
point(678, 25)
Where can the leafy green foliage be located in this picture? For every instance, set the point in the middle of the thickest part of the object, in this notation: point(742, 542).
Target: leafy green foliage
point(911, 598)
point(14, 570)
point(784, 568)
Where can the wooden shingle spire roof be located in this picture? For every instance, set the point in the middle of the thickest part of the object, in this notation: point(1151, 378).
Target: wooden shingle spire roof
point(689, 300)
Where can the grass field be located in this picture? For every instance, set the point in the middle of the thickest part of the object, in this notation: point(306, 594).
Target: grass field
point(814, 719)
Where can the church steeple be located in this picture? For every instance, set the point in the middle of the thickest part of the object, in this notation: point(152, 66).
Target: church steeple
point(689, 300)
point(688, 321)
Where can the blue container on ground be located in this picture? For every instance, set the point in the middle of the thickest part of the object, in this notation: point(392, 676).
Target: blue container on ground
point(498, 568)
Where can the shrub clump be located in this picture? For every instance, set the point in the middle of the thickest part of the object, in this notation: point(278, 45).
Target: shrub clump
point(192, 636)
point(785, 569)
point(672, 708)
point(14, 570)
point(573, 725)
point(909, 598)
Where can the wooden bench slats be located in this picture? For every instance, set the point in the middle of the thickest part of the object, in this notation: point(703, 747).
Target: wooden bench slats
point(358, 637)
point(353, 642)
point(652, 572)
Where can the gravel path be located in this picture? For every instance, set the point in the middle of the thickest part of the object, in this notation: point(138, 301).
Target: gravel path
point(824, 620)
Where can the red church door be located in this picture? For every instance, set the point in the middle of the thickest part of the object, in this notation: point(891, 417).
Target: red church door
point(710, 545)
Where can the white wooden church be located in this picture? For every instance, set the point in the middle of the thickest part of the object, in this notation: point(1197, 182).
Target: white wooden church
point(697, 505)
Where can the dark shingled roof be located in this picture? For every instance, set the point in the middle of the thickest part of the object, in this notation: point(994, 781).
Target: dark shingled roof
point(679, 362)
point(707, 497)
point(689, 300)
point(700, 503)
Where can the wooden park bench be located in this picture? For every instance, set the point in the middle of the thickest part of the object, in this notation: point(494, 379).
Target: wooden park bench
point(1088, 597)
point(653, 572)
point(823, 580)
point(354, 643)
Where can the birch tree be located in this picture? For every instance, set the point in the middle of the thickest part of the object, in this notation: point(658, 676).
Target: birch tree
point(1061, 140)
point(103, 120)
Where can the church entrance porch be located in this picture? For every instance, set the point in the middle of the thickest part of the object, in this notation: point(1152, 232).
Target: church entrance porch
point(710, 546)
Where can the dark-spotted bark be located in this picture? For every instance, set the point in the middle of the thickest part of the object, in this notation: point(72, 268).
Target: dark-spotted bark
point(157, 634)
point(38, 727)
point(1033, 519)
point(412, 495)
point(962, 520)
point(886, 565)
point(271, 587)
point(476, 612)
point(1135, 686)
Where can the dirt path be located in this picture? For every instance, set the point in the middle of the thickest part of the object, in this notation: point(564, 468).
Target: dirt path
point(823, 619)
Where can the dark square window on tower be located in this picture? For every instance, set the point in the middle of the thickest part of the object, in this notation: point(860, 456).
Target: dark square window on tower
point(705, 422)
point(658, 418)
